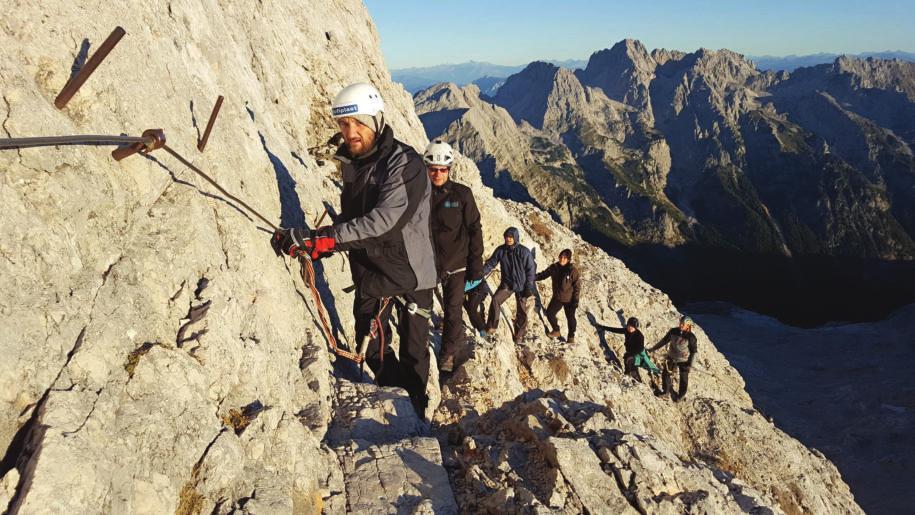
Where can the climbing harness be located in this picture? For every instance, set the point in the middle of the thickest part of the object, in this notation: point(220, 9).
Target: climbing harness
point(452, 272)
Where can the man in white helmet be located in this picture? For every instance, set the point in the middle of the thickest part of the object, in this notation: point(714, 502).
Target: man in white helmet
point(384, 224)
point(458, 239)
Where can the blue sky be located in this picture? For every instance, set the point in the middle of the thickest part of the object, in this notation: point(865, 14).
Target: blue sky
point(415, 33)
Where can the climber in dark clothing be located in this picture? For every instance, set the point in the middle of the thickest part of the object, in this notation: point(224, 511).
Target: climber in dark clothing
point(680, 354)
point(384, 224)
point(634, 342)
point(518, 278)
point(566, 291)
point(458, 238)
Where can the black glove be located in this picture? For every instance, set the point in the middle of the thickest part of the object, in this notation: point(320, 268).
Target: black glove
point(573, 304)
point(528, 292)
point(289, 241)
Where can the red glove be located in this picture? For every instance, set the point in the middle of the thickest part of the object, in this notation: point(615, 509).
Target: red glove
point(319, 247)
point(316, 244)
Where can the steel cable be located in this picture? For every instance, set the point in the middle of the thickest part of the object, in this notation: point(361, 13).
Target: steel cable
point(54, 141)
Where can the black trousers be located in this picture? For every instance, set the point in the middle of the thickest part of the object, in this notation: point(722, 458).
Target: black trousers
point(629, 367)
point(671, 367)
point(454, 298)
point(409, 368)
point(552, 310)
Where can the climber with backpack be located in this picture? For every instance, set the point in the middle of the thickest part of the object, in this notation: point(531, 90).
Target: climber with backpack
point(384, 224)
point(680, 355)
point(518, 271)
point(458, 238)
point(566, 291)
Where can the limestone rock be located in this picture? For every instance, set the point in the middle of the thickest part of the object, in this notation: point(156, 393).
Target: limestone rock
point(160, 358)
point(406, 477)
point(582, 470)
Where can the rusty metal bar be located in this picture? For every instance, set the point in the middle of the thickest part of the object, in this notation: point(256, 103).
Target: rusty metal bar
point(77, 82)
point(206, 134)
point(152, 139)
point(321, 219)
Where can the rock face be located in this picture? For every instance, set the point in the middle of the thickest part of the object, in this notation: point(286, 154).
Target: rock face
point(807, 175)
point(159, 358)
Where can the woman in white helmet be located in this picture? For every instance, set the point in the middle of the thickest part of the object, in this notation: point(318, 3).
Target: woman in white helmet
point(384, 224)
point(458, 239)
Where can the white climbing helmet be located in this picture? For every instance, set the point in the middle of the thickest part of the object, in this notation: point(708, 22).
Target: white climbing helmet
point(438, 153)
point(362, 102)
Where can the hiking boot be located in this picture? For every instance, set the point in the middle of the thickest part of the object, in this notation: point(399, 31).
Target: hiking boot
point(446, 363)
point(553, 334)
point(570, 339)
point(484, 334)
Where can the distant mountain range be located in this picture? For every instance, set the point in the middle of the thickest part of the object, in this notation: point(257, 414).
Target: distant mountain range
point(416, 79)
point(489, 76)
point(792, 192)
point(793, 62)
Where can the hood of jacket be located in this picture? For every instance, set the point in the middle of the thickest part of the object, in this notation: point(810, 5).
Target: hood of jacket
point(514, 233)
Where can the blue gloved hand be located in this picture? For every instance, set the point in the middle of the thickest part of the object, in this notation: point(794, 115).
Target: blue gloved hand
point(471, 284)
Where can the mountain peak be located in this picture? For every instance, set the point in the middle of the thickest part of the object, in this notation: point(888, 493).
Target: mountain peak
point(874, 72)
point(622, 71)
point(630, 51)
point(630, 46)
point(525, 94)
point(539, 70)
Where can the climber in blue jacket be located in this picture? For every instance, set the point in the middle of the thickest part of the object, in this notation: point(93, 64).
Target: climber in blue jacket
point(518, 271)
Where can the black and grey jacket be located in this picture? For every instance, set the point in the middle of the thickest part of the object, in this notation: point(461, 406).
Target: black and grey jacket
point(456, 230)
point(384, 220)
point(682, 345)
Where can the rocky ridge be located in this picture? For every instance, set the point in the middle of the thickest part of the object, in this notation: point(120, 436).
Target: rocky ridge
point(160, 358)
point(700, 151)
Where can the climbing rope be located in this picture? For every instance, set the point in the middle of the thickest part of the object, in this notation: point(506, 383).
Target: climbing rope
point(308, 277)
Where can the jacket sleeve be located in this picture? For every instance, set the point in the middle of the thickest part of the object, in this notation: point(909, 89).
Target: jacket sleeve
point(531, 273)
point(546, 273)
point(692, 349)
point(616, 330)
point(399, 197)
point(492, 261)
point(664, 341)
point(576, 285)
point(475, 232)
